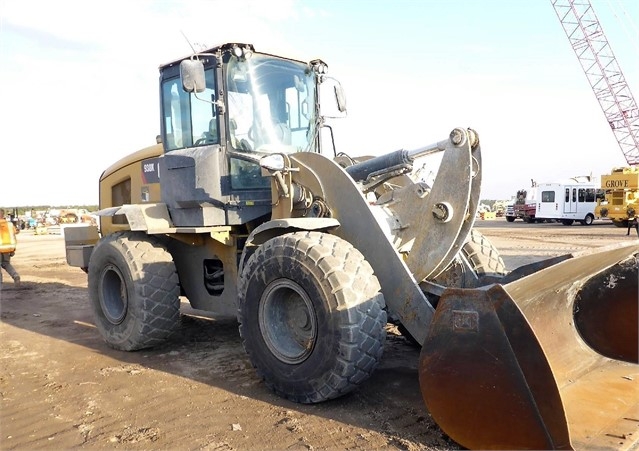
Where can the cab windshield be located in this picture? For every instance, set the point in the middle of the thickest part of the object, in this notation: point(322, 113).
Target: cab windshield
point(271, 105)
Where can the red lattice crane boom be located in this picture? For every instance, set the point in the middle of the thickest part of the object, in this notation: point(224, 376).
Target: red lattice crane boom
point(603, 72)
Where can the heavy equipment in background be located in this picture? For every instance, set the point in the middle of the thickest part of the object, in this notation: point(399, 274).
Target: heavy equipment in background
point(499, 207)
point(525, 205)
point(587, 38)
point(246, 209)
point(621, 202)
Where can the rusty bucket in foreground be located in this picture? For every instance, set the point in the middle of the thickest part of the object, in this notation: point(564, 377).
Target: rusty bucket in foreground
point(545, 362)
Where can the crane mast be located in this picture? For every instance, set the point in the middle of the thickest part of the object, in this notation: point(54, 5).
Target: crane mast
point(603, 72)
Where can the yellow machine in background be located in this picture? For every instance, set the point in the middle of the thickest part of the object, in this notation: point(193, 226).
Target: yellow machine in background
point(621, 203)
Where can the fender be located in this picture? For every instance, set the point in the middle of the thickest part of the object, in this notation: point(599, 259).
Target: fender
point(277, 227)
point(150, 218)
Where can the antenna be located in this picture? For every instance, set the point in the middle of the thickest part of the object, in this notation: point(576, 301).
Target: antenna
point(188, 41)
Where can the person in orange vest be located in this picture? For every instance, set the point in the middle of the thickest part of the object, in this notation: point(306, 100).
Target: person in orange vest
point(6, 256)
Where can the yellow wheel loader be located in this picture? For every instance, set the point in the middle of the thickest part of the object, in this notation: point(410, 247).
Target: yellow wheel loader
point(245, 208)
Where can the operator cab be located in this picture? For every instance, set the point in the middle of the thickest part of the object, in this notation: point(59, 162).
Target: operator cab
point(270, 101)
point(222, 110)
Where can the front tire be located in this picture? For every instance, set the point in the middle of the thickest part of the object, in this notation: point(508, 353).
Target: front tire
point(483, 256)
point(477, 262)
point(311, 316)
point(134, 292)
point(478, 259)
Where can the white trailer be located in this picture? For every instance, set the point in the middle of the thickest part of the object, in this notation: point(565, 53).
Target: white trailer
point(567, 202)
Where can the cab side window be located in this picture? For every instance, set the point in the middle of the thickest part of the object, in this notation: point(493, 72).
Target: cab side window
point(203, 113)
point(189, 119)
point(175, 109)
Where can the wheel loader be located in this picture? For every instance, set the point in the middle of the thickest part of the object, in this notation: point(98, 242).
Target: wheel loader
point(246, 208)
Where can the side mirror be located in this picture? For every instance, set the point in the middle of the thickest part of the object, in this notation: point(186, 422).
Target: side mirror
point(332, 99)
point(340, 97)
point(192, 75)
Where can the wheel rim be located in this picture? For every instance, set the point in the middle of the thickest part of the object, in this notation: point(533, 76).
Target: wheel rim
point(287, 321)
point(114, 300)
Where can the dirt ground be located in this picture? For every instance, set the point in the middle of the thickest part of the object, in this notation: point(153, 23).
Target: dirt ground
point(61, 387)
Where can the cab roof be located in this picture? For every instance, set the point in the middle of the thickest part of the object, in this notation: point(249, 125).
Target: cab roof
point(227, 46)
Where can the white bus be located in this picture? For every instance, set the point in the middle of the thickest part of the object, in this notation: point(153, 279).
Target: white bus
point(567, 202)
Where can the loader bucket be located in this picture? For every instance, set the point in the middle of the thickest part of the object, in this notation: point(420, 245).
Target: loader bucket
point(545, 362)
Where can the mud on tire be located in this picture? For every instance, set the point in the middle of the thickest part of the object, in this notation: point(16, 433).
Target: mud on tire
point(311, 315)
point(134, 292)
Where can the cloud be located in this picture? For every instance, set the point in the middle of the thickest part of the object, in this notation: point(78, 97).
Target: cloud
point(79, 81)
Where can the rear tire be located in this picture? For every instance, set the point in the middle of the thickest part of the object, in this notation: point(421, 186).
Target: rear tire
point(311, 316)
point(510, 218)
point(134, 292)
point(567, 222)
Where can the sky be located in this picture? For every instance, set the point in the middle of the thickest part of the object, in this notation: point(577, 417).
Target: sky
point(79, 81)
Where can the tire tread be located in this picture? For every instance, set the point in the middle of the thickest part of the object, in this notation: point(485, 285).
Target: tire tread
point(362, 315)
point(156, 285)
